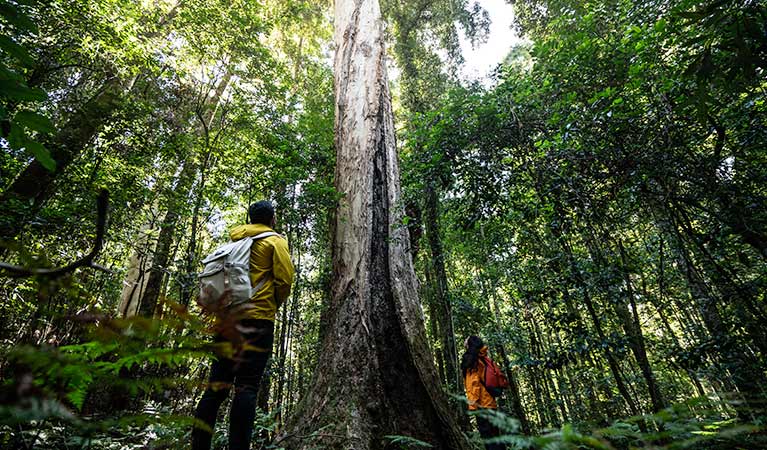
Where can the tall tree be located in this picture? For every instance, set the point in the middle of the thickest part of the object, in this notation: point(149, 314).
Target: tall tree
point(375, 375)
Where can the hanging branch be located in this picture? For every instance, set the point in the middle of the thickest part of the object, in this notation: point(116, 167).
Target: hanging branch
point(102, 205)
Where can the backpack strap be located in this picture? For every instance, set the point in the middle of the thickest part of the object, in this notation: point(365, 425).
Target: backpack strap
point(260, 284)
point(484, 375)
point(263, 235)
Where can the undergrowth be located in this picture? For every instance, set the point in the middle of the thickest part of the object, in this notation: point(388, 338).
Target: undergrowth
point(132, 383)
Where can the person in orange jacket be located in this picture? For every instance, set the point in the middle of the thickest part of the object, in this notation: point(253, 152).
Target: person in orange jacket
point(473, 369)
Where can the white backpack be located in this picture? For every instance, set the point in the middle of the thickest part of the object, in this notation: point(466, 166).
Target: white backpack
point(225, 281)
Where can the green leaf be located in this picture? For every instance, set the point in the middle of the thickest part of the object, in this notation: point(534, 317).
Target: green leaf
point(16, 17)
point(16, 51)
point(40, 153)
point(8, 74)
point(16, 137)
point(15, 90)
point(34, 121)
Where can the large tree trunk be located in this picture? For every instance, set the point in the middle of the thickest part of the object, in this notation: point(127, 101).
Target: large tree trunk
point(375, 375)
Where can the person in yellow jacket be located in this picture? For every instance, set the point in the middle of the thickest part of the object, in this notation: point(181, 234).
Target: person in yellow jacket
point(473, 369)
point(270, 261)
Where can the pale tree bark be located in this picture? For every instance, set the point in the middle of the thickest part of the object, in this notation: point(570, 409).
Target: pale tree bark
point(135, 280)
point(375, 374)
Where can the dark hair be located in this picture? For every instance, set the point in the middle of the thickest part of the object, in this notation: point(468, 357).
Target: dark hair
point(471, 356)
point(261, 212)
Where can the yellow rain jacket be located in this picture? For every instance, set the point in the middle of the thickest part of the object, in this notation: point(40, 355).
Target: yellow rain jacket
point(270, 258)
point(475, 390)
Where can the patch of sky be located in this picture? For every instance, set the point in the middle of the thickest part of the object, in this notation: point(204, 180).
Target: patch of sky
point(481, 61)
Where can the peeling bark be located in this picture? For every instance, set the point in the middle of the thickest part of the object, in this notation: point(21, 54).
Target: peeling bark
point(375, 373)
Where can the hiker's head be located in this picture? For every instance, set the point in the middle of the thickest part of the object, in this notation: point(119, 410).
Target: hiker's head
point(262, 212)
point(472, 345)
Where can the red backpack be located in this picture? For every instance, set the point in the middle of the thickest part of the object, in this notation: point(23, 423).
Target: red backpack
point(495, 381)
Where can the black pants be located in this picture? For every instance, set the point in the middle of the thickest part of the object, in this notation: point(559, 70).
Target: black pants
point(487, 430)
point(245, 371)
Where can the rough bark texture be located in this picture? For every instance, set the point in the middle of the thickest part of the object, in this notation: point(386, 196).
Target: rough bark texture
point(375, 375)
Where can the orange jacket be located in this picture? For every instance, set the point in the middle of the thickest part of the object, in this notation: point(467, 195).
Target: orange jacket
point(475, 390)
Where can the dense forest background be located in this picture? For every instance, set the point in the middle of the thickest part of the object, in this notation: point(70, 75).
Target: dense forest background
point(597, 212)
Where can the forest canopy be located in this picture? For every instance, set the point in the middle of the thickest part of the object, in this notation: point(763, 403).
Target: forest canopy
point(595, 210)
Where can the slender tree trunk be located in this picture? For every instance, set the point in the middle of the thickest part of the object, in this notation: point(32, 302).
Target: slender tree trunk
point(516, 398)
point(658, 303)
point(678, 347)
point(535, 383)
point(632, 326)
point(161, 257)
point(612, 362)
point(286, 331)
point(576, 276)
point(548, 388)
point(293, 379)
point(434, 332)
point(440, 292)
point(743, 374)
point(750, 316)
point(138, 267)
point(188, 277)
point(440, 298)
point(179, 194)
point(375, 375)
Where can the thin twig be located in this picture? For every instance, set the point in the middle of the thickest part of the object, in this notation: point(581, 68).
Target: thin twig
point(102, 205)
